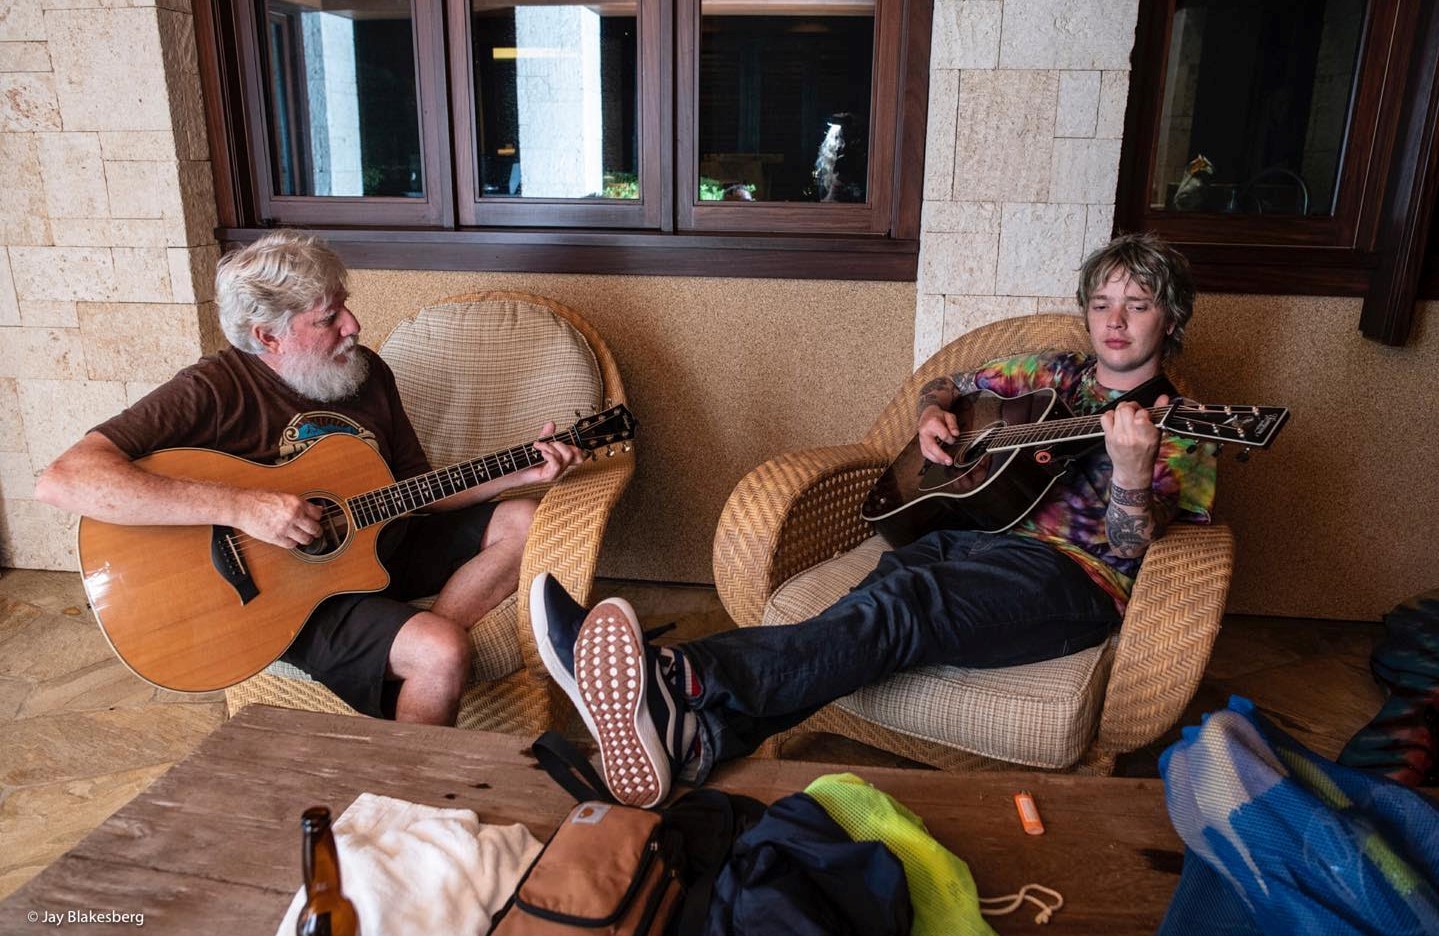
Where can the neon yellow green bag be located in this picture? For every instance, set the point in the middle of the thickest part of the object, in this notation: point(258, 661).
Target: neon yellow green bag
point(946, 901)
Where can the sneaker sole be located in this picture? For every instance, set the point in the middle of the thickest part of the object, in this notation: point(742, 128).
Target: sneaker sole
point(539, 616)
point(611, 673)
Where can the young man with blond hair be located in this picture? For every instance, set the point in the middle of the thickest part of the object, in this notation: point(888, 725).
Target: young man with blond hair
point(1055, 583)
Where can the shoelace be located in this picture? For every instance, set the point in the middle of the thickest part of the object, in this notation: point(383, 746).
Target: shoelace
point(1013, 902)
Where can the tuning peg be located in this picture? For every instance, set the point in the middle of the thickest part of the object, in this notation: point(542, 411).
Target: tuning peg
point(1243, 456)
point(627, 447)
point(609, 451)
point(579, 415)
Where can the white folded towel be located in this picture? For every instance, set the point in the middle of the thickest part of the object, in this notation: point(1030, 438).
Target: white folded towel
point(411, 869)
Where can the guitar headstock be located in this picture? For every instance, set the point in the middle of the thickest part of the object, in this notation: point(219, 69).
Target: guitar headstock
point(615, 425)
point(1249, 426)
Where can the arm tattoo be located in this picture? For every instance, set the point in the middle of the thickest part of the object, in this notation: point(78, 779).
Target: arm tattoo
point(1128, 533)
point(938, 392)
point(1129, 521)
point(943, 391)
point(1127, 497)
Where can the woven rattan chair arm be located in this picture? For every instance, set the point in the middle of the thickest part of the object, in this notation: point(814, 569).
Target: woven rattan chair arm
point(565, 538)
point(1169, 630)
point(788, 514)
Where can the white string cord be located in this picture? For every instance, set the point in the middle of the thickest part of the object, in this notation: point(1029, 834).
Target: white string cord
point(1013, 902)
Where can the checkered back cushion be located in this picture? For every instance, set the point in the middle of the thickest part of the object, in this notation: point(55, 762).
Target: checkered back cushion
point(1040, 714)
point(480, 376)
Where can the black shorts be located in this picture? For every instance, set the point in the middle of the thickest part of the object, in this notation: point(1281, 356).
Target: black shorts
point(345, 643)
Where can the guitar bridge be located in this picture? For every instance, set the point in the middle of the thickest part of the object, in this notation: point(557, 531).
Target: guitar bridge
point(226, 558)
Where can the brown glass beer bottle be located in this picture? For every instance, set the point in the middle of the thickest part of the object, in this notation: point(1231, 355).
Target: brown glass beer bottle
point(326, 911)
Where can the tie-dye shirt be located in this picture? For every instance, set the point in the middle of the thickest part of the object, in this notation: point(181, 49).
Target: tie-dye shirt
point(1071, 517)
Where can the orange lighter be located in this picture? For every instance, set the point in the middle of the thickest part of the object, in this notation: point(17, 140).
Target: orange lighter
point(1028, 813)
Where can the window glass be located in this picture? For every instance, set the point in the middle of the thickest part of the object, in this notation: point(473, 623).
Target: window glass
point(1256, 103)
point(556, 105)
point(784, 94)
point(342, 98)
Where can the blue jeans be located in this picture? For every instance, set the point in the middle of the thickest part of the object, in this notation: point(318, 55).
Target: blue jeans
point(954, 597)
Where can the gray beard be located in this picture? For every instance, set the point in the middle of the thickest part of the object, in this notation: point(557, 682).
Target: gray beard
point(321, 379)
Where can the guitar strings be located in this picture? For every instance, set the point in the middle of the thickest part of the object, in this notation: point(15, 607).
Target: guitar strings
point(421, 484)
point(1015, 433)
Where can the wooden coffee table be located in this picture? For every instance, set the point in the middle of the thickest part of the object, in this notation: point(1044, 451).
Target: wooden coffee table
point(214, 844)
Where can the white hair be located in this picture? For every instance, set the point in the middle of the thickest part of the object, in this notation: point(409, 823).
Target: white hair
point(270, 281)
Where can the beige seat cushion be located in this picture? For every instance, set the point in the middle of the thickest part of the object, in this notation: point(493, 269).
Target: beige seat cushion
point(1040, 714)
point(477, 377)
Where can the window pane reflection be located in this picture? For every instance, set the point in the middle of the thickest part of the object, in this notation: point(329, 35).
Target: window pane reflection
point(1256, 101)
point(784, 91)
point(556, 106)
point(342, 101)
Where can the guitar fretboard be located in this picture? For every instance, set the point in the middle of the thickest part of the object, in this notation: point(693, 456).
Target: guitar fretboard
point(415, 493)
point(1059, 430)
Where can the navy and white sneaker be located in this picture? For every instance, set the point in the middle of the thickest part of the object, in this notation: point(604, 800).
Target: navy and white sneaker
point(642, 729)
point(555, 619)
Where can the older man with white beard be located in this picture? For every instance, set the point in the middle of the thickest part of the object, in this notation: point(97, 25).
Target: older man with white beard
point(296, 372)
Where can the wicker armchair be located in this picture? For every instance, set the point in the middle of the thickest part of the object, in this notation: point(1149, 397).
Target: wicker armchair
point(790, 541)
point(480, 372)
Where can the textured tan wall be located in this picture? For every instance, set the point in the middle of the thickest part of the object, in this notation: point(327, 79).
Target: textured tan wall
point(1338, 519)
point(721, 373)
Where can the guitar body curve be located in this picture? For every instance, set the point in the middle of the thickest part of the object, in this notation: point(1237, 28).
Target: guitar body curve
point(987, 491)
point(159, 594)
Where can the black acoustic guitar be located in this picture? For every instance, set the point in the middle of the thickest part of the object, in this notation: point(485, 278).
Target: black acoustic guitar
point(1011, 450)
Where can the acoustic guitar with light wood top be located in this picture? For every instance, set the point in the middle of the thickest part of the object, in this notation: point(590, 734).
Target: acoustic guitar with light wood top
point(199, 608)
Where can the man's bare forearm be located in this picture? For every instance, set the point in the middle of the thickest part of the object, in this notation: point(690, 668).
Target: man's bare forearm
point(943, 391)
point(95, 479)
point(1131, 521)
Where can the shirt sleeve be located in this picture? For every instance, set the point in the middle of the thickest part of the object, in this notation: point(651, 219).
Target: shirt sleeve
point(1025, 372)
point(407, 456)
point(182, 412)
point(1184, 480)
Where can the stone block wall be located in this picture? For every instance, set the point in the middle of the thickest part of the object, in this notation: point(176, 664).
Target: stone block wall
point(107, 248)
point(1026, 113)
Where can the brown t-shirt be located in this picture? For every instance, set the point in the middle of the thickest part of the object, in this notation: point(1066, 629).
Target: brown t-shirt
point(232, 402)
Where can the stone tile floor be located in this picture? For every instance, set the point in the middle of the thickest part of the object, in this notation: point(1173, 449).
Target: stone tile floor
point(80, 735)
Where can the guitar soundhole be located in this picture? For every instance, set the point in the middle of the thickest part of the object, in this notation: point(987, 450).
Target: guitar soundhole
point(334, 529)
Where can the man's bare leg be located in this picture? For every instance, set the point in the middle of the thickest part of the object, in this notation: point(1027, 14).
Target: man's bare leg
point(431, 653)
point(431, 658)
point(492, 575)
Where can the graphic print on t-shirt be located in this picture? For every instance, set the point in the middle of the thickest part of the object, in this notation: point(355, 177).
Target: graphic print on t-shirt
point(307, 428)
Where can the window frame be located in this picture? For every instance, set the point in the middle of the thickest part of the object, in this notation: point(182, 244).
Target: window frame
point(1384, 176)
point(872, 217)
point(1279, 240)
point(372, 233)
point(436, 207)
point(653, 88)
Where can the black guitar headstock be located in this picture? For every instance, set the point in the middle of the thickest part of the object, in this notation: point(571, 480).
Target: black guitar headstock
point(615, 425)
point(1249, 426)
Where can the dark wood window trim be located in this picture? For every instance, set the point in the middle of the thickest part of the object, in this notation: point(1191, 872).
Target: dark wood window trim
point(874, 217)
point(370, 240)
point(1388, 172)
point(654, 88)
point(631, 253)
point(437, 205)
